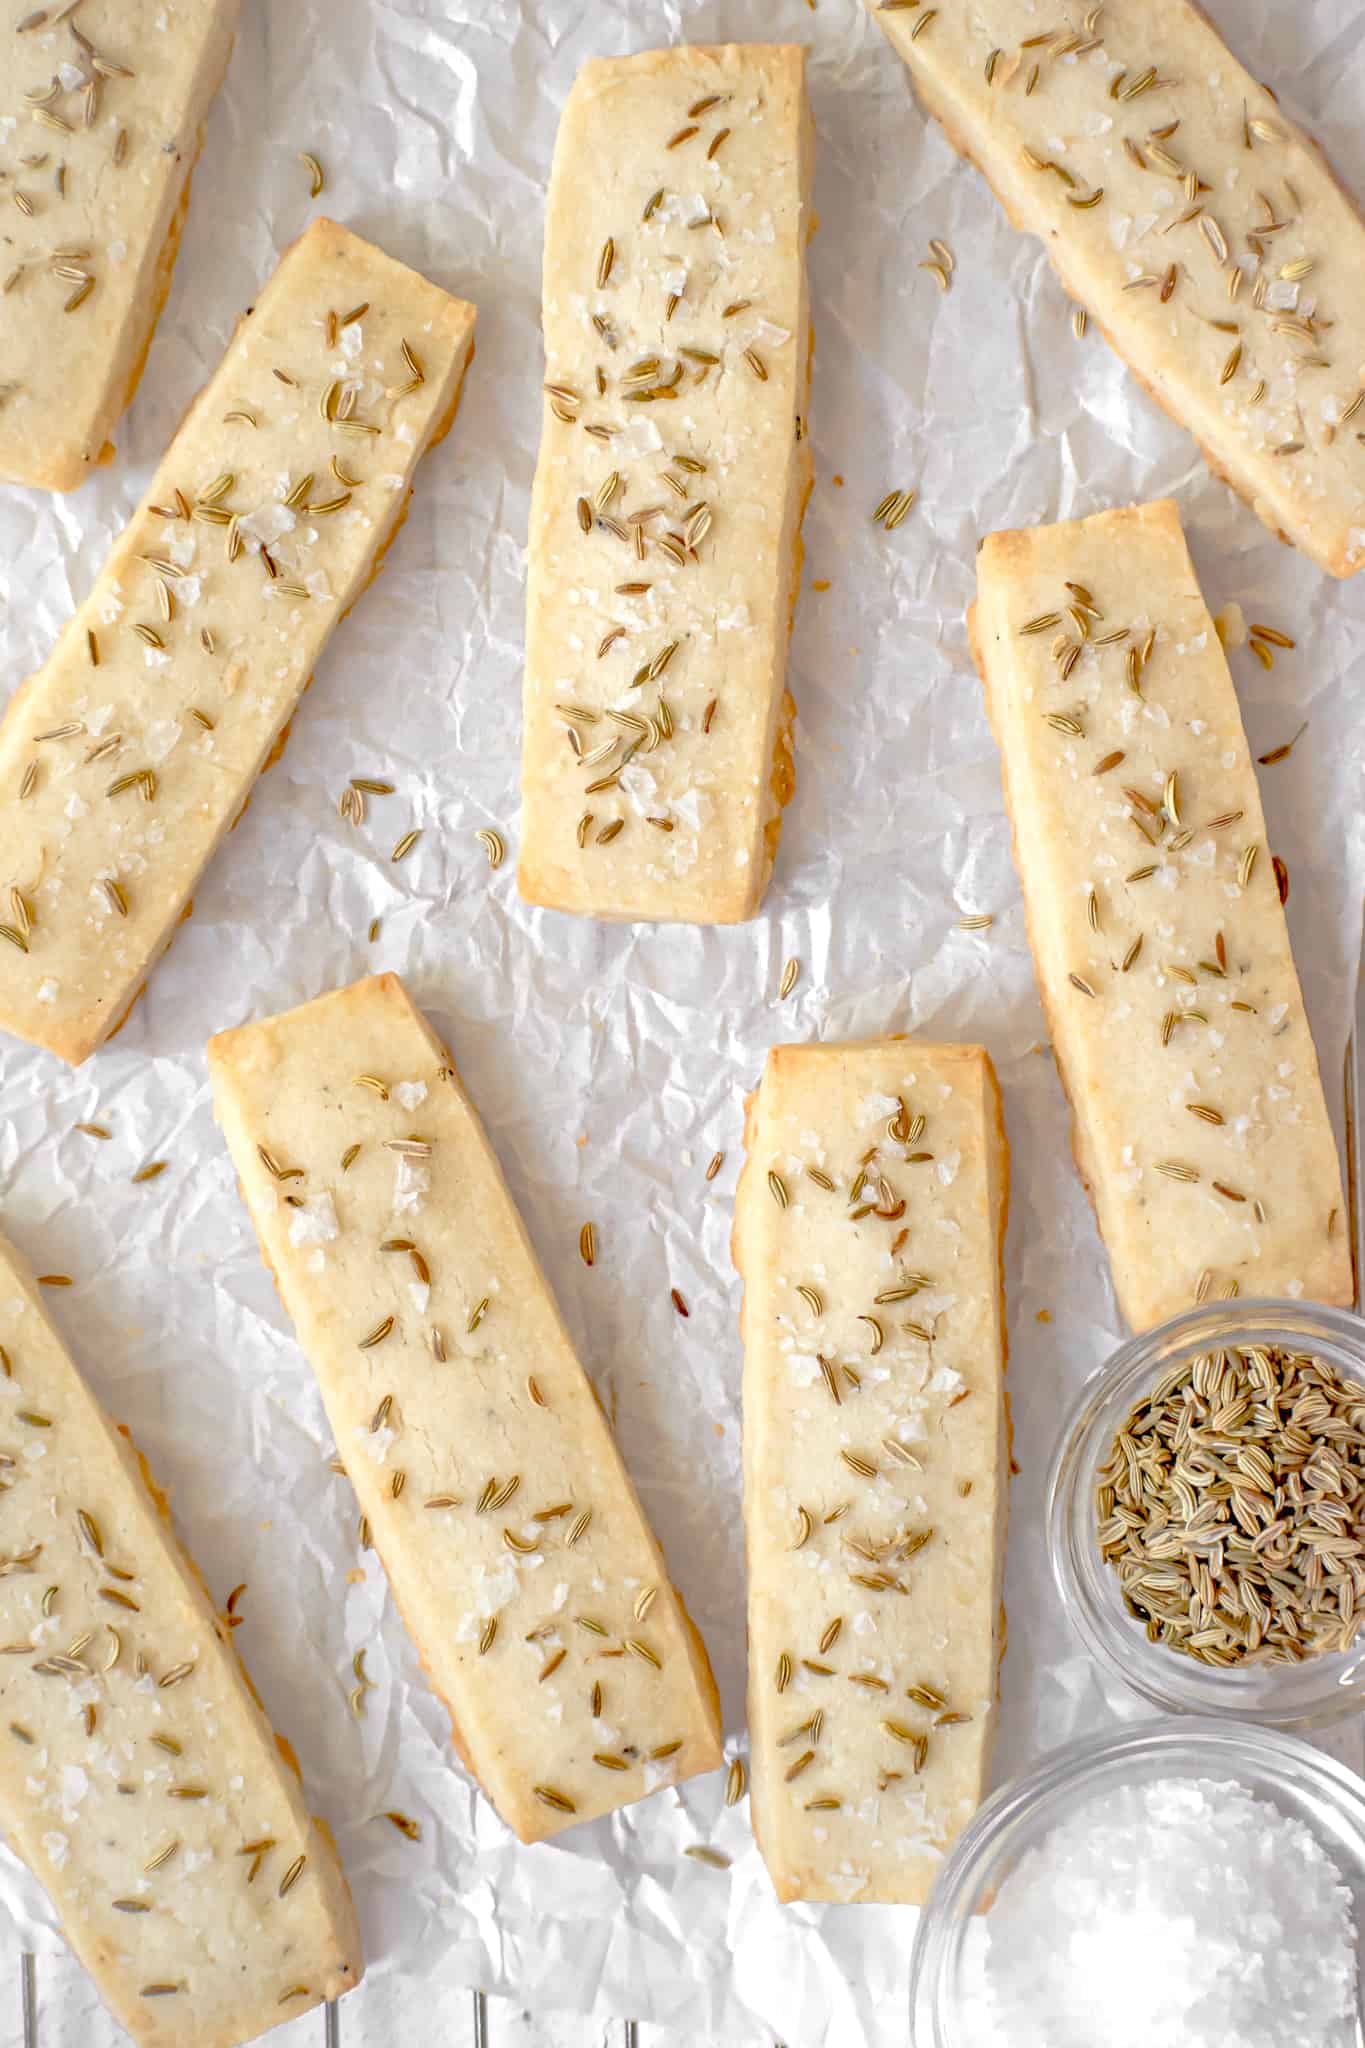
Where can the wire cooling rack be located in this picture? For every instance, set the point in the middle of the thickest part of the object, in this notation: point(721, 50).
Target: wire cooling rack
point(54, 2003)
point(55, 1998)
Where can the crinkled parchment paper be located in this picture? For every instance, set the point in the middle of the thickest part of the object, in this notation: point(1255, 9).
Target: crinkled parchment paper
point(610, 1063)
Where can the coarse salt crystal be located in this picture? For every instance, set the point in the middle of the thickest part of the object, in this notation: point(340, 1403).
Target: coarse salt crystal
point(1186, 1910)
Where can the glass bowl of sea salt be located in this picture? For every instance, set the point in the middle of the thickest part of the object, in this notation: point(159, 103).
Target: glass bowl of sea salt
point(1307, 1691)
point(1188, 1882)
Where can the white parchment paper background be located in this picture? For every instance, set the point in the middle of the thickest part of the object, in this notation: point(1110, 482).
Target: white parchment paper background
point(610, 1063)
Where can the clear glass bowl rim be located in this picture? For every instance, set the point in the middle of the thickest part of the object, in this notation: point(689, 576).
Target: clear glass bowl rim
point(1190, 1744)
point(1325, 1688)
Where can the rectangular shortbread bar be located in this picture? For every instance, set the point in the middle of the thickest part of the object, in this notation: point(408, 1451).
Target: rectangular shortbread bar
point(139, 1778)
point(1154, 914)
point(1201, 229)
point(868, 1234)
point(674, 470)
point(486, 1473)
point(105, 107)
point(128, 757)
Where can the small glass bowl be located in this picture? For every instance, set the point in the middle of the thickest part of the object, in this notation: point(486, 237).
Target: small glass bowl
point(1315, 1789)
point(1321, 1689)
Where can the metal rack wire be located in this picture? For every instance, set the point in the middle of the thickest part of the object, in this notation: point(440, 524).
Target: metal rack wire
point(478, 2029)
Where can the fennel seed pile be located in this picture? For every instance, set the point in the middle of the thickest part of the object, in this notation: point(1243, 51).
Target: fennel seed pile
point(1232, 1507)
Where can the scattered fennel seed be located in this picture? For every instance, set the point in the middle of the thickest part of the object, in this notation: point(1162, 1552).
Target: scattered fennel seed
point(1282, 753)
point(893, 509)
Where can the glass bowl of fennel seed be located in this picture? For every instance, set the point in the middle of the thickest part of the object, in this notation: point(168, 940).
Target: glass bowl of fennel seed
point(1206, 1513)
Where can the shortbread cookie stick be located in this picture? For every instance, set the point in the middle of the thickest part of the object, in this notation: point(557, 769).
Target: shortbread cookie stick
point(1203, 231)
point(868, 1234)
point(128, 757)
point(104, 110)
point(1154, 913)
point(139, 1778)
point(674, 470)
point(487, 1477)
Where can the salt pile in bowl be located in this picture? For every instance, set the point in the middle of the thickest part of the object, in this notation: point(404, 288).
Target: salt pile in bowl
point(1185, 1911)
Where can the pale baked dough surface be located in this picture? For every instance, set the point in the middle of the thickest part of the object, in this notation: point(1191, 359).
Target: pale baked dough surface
point(657, 752)
point(135, 1761)
point(129, 755)
point(515, 1544)
point(1160, 944)
point(876, 1463)
point(103, 115)
point(1205, 233)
